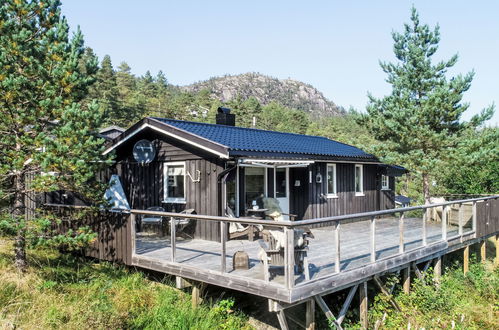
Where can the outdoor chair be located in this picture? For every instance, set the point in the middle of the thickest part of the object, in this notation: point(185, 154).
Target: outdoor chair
point(155, 222)
point(238, 230)
point(273, 249)
point(184, 227)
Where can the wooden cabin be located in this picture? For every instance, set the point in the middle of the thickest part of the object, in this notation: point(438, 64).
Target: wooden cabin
point(182, 165)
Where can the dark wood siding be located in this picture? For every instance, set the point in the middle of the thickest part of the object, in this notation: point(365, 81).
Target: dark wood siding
point(346, 202)
point(144, 184)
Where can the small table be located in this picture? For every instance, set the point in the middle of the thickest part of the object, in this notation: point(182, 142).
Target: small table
point(256, 214)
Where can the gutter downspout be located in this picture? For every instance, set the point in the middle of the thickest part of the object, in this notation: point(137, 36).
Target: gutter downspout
point(219, 187)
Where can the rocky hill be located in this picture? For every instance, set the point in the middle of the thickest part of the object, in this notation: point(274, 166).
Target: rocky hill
point(291, 93)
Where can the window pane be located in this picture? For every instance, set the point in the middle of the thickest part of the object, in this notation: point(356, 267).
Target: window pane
point(175, 181)
point(330, 180)
point(280, 181)
point(358, 178)
point(254, 178)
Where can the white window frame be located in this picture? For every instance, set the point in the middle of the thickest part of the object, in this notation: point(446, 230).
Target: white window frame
point(385, 185)
point(361, 192)
point(334, 193)
point(177, 200)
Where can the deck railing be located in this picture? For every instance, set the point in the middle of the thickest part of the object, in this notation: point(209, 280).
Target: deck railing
point(443, 212)
point(288, 228)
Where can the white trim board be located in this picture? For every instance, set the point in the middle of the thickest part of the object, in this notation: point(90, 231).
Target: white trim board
point(146, 125)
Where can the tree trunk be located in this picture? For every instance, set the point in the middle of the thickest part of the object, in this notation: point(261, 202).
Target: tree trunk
point(426, 187)
point(19, 215)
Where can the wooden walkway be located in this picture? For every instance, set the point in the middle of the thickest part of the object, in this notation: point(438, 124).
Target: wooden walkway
point(354, 239)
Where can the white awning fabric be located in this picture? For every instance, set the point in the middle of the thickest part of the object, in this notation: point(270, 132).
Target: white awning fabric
point(275, 163)
point(115, 195)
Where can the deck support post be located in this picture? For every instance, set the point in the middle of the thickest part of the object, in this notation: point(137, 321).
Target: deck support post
point(329, 315)
point(310, 315)
point(387, 293)
point(363, 305)
point(483, 250)
point(437, 271)
point(466, 259)
point(197, 289)
point(283, 323)
point(181, 283)
point(418, 273)
point(346, 304)
point(406, 280)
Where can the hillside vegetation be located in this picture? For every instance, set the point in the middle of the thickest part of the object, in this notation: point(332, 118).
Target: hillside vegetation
point(66, 292)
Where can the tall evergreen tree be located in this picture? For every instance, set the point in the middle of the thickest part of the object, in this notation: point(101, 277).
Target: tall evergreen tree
point(420, 119)
point(44, 126)
point(131, 105)
point(105, 90)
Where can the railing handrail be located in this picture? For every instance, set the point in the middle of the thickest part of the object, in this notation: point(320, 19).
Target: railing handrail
point(298, 223)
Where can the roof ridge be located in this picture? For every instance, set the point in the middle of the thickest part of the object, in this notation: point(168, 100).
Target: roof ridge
point(246, 128)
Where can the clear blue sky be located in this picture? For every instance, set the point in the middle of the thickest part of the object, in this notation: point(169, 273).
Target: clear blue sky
point(332, 45)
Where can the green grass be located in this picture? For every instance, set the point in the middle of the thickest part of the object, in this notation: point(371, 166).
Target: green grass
point(461, 301)
point(64, 291)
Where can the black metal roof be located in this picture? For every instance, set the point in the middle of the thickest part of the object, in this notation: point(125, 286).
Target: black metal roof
point(242, 141)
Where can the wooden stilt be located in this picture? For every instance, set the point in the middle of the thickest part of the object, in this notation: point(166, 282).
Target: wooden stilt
point(181, 283)
point(346, 305)
point(406, 279)
point(330, 316)
point(417, 271)
point(385, 291)
point(363, 305)
point(466, 259)
point(483, 251)
point(197, 289)
point(437, 271)
point(310, 315)
point(496, 261)
point(282, 320)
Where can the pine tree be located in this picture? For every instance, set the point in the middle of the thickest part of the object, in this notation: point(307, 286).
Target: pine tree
point(131, 106)
point(420, 119)
point(105, 91)
point(45, 125)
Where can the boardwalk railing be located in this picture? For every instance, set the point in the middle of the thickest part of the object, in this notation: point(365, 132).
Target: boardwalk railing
point(414, 229)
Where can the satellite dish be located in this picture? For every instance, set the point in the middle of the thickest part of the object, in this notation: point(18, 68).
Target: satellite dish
point(144, 151)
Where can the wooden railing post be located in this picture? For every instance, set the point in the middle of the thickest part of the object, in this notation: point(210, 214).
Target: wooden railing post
point(132, 232)
point(223, 240)
point(444, 222)
point(473, 217)
point(425, 218)
point(337, 251)
point(373, 239)
point(401, 233)
point(290, 257)
point(173, 231)
point(461, 219)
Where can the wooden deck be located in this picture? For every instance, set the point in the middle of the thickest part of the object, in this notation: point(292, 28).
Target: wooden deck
point(354, 239)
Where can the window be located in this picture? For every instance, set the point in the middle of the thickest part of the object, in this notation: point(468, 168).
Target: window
point(359, 180)
point(385, 182)
point(175, 182)
point(331, 180)
point(254, 185)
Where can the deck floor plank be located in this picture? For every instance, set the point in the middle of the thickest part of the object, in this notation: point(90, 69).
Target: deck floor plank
point(355, 248)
